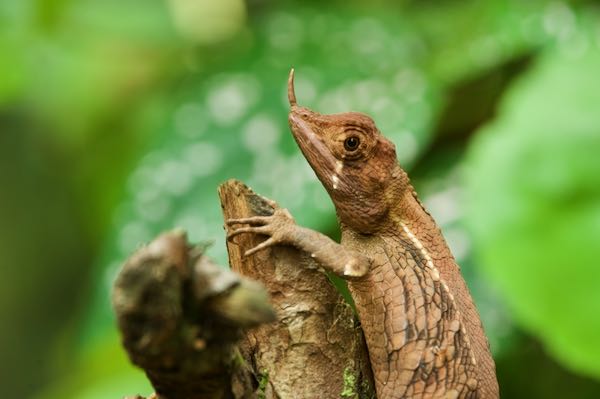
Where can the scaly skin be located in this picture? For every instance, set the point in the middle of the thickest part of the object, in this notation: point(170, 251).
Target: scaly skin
point(423, 333)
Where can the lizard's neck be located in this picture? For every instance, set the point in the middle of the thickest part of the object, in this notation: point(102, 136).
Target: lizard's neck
point(410, 215)
point(406, 215)
point(399, 206)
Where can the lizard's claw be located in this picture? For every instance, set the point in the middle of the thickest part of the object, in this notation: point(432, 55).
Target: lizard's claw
point(278, 227)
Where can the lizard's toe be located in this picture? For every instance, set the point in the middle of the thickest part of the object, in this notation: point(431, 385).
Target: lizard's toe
point(266, 230)
point(253, 221)
point(263, 245)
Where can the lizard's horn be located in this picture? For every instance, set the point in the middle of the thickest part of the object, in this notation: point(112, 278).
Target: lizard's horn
point(291, 92)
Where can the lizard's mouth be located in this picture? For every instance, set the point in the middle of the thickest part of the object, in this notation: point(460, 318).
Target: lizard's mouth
point(303, 124)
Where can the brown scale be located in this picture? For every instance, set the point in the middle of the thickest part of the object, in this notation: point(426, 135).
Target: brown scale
point(422, 345)
point(423, 333)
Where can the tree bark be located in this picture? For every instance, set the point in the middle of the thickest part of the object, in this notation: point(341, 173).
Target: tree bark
point(200, 331)
point(315, 347)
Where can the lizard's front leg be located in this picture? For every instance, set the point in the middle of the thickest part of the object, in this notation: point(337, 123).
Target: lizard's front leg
point(283, 230)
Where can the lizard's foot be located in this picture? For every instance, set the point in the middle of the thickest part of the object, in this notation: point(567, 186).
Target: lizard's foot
point(279, 227)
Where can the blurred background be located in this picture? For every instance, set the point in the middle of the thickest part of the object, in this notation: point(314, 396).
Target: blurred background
point(119, 118)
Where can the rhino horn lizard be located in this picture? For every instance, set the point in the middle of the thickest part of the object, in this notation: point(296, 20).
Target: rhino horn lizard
point(423, 333)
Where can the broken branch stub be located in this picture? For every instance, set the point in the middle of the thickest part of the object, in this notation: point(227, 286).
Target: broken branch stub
point(180, 317)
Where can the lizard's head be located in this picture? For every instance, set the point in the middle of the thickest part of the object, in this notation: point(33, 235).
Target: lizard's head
point(354, 161)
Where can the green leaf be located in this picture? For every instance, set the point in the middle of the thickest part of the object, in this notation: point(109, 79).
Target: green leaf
point(534, 185)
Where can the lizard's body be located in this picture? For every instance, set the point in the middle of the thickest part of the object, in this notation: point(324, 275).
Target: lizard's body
point(420, 323)
point(423, 333)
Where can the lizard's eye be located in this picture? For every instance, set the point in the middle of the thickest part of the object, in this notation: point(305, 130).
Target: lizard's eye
point(351, 143)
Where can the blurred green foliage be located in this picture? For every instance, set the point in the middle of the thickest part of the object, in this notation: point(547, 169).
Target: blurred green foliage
point(534, 185)
point(119, 118)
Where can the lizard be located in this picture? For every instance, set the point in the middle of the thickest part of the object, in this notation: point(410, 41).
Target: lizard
point(423, 333)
